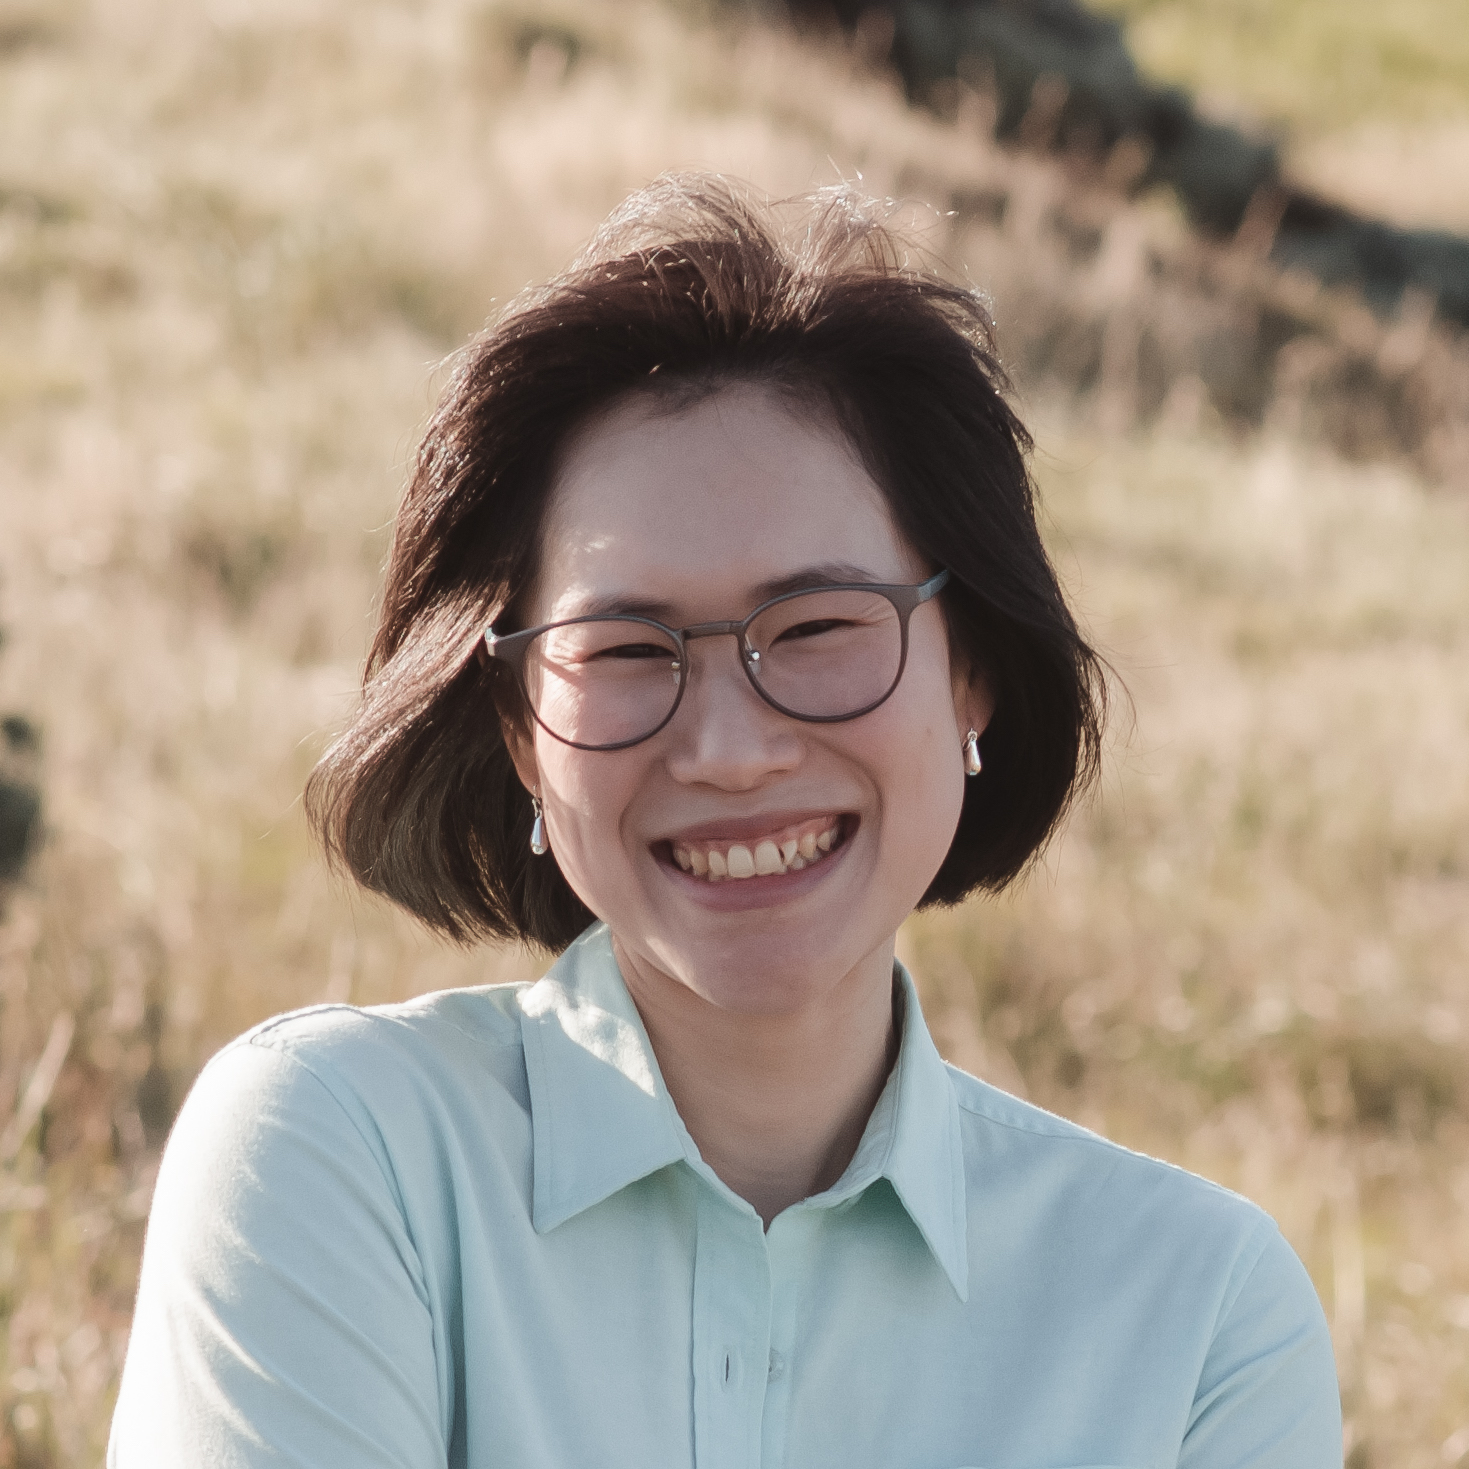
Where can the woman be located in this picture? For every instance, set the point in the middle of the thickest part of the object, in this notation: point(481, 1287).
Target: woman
point(717, 638)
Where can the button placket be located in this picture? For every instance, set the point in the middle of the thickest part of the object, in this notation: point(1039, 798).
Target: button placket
point(731, 1334)
point(789, 1247)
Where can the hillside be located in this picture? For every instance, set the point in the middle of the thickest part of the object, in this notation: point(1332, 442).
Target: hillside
point(1371, 101)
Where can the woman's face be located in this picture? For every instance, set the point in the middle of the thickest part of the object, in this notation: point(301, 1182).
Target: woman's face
point(700, 511)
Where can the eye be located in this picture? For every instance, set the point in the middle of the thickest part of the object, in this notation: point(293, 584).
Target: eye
point(812, 629)
point(633, 651)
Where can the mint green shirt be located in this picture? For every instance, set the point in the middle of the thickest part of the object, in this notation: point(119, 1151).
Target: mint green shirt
point(472, 1231)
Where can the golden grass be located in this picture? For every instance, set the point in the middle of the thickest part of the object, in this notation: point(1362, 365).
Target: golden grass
point(1394, 171)
point(1371, 101)
point(235, 238)
point(1311, 65)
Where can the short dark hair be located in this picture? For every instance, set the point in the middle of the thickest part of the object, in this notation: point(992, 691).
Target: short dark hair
point(690, 286)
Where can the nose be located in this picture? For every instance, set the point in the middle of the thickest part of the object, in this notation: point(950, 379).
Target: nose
point(724, 733)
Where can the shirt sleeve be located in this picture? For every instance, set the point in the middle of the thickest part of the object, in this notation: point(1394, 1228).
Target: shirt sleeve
point(282, 1317)
point(1268, 1397)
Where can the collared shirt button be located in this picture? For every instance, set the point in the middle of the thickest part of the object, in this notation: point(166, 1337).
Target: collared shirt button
point(777, 1368)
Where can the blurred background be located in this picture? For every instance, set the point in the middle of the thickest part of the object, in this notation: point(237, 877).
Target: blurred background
point(1223, 240)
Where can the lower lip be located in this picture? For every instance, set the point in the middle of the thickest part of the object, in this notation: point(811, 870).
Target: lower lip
point(738, 894)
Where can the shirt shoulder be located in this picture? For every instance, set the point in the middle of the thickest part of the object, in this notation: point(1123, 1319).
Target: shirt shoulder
point(1129, 1195)
point(406, 1071)
point(487, 1015)
point(1188, 1281)
point(477, 1025)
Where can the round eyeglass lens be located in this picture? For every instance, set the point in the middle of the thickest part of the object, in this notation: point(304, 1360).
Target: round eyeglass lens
point(827, 654)
point(602, 681)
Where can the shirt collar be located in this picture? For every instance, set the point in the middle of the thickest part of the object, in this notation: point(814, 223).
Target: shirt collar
point(601, 1116)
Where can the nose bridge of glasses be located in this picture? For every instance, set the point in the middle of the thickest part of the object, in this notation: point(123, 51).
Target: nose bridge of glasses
point(696, 675)
point(737, 630)
point(713, 629)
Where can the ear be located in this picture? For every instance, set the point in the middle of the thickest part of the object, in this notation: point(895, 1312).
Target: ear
point(518, 732)
point(974, 703)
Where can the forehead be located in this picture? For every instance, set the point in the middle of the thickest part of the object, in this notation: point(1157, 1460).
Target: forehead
point(698, 507)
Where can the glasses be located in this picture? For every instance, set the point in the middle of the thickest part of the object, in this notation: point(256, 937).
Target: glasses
point(609, 681)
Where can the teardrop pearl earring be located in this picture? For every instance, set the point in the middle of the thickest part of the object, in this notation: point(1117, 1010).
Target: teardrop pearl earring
point(972, 763)
point(538, 843)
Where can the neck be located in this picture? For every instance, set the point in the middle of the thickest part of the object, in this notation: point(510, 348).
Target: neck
point(776, 1104)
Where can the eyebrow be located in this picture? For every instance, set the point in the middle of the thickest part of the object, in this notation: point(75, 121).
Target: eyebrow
point(808, 578)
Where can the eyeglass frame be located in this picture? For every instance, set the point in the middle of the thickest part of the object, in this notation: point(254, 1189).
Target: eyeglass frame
point(510, 649)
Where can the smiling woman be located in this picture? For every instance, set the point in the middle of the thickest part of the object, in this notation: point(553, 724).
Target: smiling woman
point(718, 637)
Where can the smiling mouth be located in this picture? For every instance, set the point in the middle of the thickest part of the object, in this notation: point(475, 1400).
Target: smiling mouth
point(790, 849)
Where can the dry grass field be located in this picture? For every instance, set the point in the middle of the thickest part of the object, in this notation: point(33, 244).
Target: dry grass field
point(237, 236)
point(1371, 101)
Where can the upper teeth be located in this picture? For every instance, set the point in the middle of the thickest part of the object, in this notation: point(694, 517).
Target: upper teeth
point(783, 851)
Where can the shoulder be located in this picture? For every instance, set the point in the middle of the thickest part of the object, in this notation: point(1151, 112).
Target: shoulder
point(1124, 1238)
point(395, 1073)
point(434, 1035)
point(1105, 1199)
point(486, 1015)
point(1174, 1269)
point(383, 1112)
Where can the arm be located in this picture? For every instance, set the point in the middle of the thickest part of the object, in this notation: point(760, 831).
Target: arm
point(1267, 1396)
point(282, 1316)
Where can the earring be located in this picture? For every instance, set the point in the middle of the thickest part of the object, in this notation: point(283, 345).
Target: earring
point(538, 843)
point(972, 763)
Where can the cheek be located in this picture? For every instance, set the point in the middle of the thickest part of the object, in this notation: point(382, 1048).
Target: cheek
point(587, 796)
point(927, 794)
point(918, 766)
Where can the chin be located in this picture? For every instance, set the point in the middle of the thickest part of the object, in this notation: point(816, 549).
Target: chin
point(771, 968)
